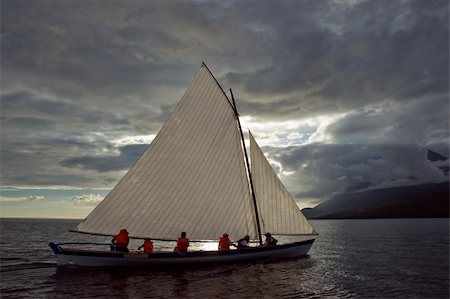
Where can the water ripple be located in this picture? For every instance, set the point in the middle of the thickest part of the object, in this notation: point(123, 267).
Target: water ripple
point(392, 258)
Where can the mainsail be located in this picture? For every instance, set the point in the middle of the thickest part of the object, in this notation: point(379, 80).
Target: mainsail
point(277, 209)
point(191, 178)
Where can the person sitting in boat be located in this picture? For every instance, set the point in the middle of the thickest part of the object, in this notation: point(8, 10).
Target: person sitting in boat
point(244, 242)
point(224, 242)
point(182, 244)
point(148, 245)
point(121, 241)
point(270, 241)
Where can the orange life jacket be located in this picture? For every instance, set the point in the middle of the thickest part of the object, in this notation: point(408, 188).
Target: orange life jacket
point(122, 238)
point(224, 244)
point(182, 244)
point(148, 246)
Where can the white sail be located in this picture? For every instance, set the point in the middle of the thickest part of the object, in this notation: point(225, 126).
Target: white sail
point(191, 178)
point(277, 210)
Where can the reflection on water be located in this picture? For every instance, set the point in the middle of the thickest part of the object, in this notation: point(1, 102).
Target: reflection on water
point(204, 246)
point(350, 258)
point(218, 281)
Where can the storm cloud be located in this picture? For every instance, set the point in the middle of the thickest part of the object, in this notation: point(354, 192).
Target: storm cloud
point(128, 154)
point(319, 170)
point(343, 95)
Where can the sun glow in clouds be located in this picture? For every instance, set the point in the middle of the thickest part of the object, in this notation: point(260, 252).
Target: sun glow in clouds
point(291, 132)
point(139, 139)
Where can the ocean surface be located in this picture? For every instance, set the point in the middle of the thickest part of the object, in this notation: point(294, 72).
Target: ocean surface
point(382, 258)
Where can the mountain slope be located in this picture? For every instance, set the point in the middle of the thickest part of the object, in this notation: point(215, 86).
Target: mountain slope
point(420, 201)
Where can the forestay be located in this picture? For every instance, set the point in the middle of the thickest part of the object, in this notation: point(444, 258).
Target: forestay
point(191, 178)
point(277, 209)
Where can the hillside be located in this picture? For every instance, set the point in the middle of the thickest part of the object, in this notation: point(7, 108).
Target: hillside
point(420, 201)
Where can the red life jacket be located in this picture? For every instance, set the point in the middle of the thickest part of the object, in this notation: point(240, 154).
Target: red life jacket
point(148, 246)
point(122, 238)
point(224, 244)
point(182, 244)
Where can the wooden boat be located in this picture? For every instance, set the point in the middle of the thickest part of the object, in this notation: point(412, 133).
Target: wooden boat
point(92, 258)
point(196, 177)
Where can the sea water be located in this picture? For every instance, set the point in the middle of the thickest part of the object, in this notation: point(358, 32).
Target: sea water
point(382, 258)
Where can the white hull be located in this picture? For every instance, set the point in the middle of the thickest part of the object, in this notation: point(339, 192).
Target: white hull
point(97, 258)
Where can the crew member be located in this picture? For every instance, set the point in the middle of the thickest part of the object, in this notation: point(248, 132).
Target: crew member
point(244, 242)
point(121, 241)
point(182, 243)
point(224, 242)
point(148, 245)
point(270, 241)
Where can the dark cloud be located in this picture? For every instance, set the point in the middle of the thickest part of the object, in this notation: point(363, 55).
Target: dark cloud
point(321, 170)
point(349, 56)
point(78, 76)
point(128, 154)
point(416, 121)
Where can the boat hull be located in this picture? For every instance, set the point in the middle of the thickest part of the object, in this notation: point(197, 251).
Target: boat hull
point(97, 258)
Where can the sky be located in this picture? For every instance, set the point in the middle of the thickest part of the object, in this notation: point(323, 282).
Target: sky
point(342, 95)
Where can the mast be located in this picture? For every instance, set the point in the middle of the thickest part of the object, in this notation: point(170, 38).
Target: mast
point(248, 169)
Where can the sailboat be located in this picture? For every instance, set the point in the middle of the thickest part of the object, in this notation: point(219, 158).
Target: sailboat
point(196, 176)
